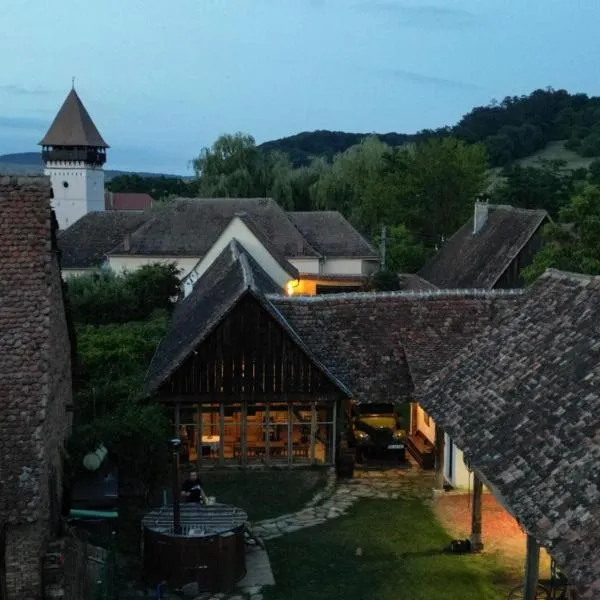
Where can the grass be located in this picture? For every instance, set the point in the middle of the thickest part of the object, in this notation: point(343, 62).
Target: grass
point(402, 557)
point(264, 494)
point(557, 151)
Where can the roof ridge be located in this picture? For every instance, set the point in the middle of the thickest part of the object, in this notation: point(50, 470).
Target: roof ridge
point(517, 208)
point(570, 275)
point(450, 293)
point(247, 272)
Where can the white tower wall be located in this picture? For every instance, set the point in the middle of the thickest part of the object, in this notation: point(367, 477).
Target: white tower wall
point(83, 192)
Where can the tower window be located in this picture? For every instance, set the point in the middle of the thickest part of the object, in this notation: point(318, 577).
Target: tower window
point(65, 184)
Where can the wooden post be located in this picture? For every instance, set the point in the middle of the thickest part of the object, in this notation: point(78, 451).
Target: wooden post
point(266, 428)
point(199, 434)
point(532, 567)
point(313, 431)
point(177, 419)
point(290, 444)
point(221, 434)
point(476, 515)
point(243, 435)
point(439, 457)
point(176, 494)
point(414, 411)
point(333, 450)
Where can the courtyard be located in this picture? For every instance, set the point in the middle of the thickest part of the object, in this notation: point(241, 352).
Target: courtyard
point(378, 535)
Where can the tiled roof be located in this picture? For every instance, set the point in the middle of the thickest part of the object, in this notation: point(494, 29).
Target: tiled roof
point(85, 243)
point(189, 227)
point(331, 234)
point(230, 277)
point(478, 260)
point(523, 404)
point(73, 126)
point(382, 345)
point(413, 283)
point(127, 201)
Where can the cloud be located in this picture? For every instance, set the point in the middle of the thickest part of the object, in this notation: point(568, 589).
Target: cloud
point(23, 123)
point(428, 15)
point(424, 79)
point(19, 90)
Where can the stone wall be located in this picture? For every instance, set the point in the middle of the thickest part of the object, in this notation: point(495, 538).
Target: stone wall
point(35, 380)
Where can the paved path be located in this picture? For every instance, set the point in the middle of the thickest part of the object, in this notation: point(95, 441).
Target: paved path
point(334, 501)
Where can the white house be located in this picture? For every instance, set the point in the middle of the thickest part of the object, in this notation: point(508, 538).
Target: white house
point(309, 253)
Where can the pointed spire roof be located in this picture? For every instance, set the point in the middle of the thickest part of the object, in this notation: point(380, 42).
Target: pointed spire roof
point(73, 126)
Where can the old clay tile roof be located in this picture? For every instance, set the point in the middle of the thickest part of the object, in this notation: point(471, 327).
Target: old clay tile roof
point(410, 282)
point(331, 234)
point(73, 126)
point(230, 277)
point(383, 344)
point(85, 244)
point(127, 201)
point(523, 404)
point(189, 227)
point(469, 260)
point(35, 354)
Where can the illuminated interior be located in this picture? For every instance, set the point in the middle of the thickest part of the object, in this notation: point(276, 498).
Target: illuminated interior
point(268, 433)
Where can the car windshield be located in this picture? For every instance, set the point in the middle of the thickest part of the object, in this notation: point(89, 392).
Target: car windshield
point(376, 409)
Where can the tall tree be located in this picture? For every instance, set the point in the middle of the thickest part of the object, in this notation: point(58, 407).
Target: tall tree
point(441, 180)
point(571, 244)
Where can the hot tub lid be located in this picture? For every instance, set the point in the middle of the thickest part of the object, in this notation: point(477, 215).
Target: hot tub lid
point(196, 520)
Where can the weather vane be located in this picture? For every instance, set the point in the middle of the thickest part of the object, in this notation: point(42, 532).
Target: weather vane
point(73, 82)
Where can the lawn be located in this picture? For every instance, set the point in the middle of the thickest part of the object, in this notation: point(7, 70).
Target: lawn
point(401, 543)
point(264, 494)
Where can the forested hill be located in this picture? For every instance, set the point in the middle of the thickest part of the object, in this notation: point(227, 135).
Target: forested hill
point(512, 129)
point(303, 147)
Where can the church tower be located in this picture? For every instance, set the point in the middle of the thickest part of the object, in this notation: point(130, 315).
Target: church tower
point(74, 152)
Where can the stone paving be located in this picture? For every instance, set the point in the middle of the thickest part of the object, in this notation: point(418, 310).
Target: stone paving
point(334, 501)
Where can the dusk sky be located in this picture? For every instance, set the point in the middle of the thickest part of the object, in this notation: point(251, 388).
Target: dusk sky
point(162, 79)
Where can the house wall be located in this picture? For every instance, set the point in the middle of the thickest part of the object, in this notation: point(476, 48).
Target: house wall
point(84, 193)
point(237, 229)
point(306, 265)
point(425, 426)
point(122, 263)
point(342, 266)
point(35, 382)
point(460, 477)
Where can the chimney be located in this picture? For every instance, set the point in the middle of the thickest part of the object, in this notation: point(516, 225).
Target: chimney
point(127, 242)
point(480, 216)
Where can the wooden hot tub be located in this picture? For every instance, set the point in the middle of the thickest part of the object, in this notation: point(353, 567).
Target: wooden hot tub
point(210, 549)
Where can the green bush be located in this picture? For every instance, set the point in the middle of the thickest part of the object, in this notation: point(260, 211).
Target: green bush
point(103, 297)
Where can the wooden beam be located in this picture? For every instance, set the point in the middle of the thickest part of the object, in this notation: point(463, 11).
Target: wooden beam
point(313, 431)
point(290, 441)
point(532, 568)
point(334, 441)
point(414, 411)
point(199, 437)
point(266, 428)
point(222, 434)
point(252, 398)
point(476, 515)
point(243, 435)
point(177, 419)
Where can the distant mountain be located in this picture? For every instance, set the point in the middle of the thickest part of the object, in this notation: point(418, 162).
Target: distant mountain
point(303, 147)
point(513, 129)
point(31, 163)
